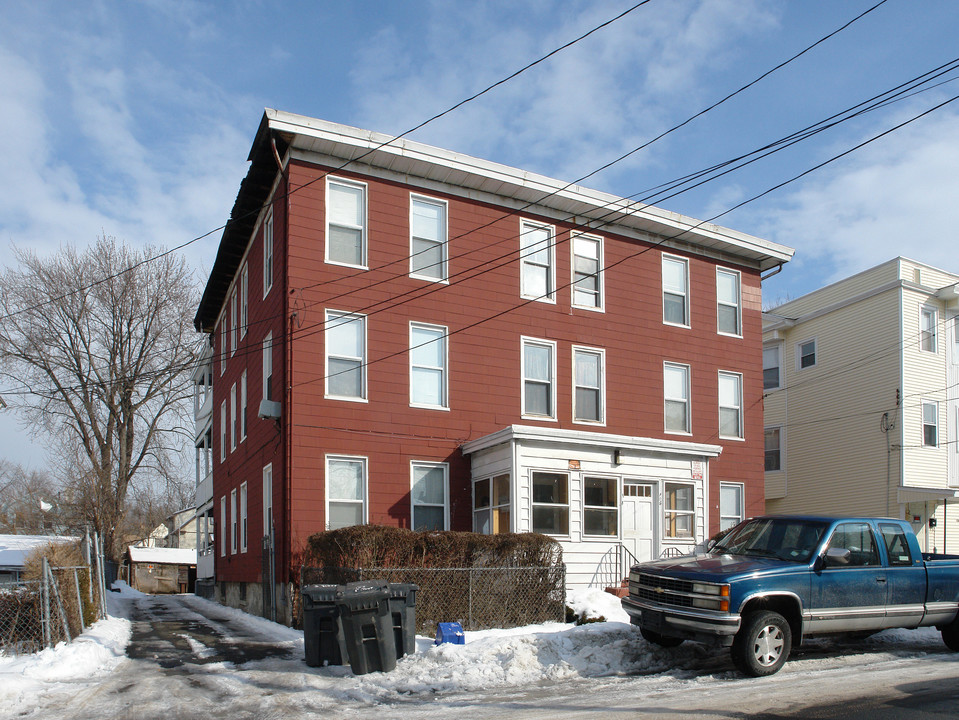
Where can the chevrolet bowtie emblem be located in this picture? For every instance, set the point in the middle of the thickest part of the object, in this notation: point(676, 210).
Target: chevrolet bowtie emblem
point(660, 590)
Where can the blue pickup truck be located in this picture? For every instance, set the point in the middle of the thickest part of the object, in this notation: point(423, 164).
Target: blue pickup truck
point(773, 581)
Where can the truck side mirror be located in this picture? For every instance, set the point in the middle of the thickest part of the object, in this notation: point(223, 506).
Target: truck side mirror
point(837, 556)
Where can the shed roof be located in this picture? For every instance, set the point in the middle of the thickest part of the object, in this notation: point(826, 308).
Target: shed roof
point(15, 548)
point(162, 556)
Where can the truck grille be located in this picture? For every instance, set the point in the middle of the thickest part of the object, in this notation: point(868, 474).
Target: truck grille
point(662, 590)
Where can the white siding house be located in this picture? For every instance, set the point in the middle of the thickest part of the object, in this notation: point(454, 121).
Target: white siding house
point(860, 407)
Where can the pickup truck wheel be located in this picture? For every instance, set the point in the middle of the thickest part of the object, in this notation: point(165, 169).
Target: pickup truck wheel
point(762, 644)
point(662, 640)
point(950, 635)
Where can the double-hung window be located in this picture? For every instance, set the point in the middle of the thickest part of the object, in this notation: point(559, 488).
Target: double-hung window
point(244, 299)
point(589, 391)
point(428, 357)
point(222, 526)
point(243, 518)
point(536, 261)
point(550, 503)
point(268, 500)
point(930, 423)
point(223, 343)
point(539, 373)
point(731, 511)
point(345, 355)
point(428, 229)
point(773, 439)
point(491, 505)
point(676, 397)
point(268, 253)
point(429, 495)
point(233, 521)
point(588, 272)
point(345, 222)
point(223, 431)
point(680, 512)
point(345, 491)
point(728, 302)
point(243, 404)
point(955, 340)
point(675, 290)
point(730, 405)
point(600, 506)
point(234, 321)
point(233, 418)
point(772, 367)
point(805, 354)
point(928, 322)
point(268, 367)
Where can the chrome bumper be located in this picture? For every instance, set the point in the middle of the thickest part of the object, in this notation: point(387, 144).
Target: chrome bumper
point(682, 622)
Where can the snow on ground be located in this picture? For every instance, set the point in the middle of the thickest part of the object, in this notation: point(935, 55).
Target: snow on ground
point(513, 658)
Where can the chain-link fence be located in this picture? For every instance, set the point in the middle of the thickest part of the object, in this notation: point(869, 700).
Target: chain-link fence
point(59, 606)
point(477, 598)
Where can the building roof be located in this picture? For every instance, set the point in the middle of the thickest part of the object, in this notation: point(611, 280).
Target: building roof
point(162, 556)
point(418, 163)
point(15, 548)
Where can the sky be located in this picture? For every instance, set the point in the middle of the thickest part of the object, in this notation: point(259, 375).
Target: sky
point(134, 119)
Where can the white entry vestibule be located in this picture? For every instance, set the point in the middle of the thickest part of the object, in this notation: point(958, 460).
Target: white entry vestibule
point(592, 492)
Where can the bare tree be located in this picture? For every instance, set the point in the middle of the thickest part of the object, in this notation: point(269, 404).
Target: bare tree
point(96, 348)
point(32, 503)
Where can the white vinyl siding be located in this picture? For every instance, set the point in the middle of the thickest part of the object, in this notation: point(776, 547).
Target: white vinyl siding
point(345, 355)
point(537, 270)
point(675, 291)
point(345, 222)
point(428, 234)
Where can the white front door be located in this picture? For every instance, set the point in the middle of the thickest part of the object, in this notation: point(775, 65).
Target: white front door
point(638, 526)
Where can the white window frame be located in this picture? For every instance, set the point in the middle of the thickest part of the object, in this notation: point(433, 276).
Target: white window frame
point(244, 299)
point(362, 227)
point(929, 336)
point(234, 321)
point(443, 333)
point(600, 354)
point(934, 404)
point(363, 501)
point(668, 534)
point(223, 526)
point(223, 431)
point(268, 253)
point(233, 418)
point(781, 448)
point(243, 406)
point(608, 509)
point(778, 348)
point(738, 408)
point(955, 340)
point(525, 228)
point(551, 346)
point(567, 506)
point(223, 343)
point(233, 522)
point(267, 379)
point(738, 305)
point(685, 294)
point(799, 354)
point(740, 515)
point(686, 401)
point(267, 498)
point(600, 292)
point(244, 530)
point(334, 318)
point(443, 275)
point(493, 511)
point(414, 464)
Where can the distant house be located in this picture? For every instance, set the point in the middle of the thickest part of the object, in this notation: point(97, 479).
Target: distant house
point(177, 531)
point(14, 550)
point(410, 336)
point(162, 570)
point(862, 400)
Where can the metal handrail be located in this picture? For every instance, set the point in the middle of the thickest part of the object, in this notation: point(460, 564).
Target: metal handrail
point(613, 567)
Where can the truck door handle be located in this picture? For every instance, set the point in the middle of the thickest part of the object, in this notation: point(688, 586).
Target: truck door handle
point(880, 579)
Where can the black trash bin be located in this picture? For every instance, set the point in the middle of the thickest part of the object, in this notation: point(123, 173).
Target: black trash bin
point(403, 613)
point(323, 637)
point(367, 626)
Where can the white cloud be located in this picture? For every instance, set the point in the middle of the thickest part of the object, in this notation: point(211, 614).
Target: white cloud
point(894, 197)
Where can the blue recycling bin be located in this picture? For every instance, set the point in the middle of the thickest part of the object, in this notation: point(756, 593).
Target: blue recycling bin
point(450, 632)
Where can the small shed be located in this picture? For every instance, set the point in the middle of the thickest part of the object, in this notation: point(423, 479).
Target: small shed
point(162, 570)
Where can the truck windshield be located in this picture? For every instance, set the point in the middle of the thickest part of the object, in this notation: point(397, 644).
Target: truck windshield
point(790, 539)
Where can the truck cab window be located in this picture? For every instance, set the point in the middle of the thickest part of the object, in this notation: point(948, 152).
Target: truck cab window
point(897, 547)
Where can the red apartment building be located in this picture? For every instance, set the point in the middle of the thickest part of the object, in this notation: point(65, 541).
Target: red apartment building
point(409, 336)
